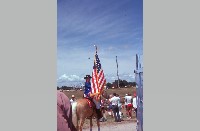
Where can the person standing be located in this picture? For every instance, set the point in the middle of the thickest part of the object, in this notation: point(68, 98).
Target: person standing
point(103, 110)
point(129, 100)
point(114, 100)
point(119, 102)
point(135, 103)
point(110, 113)
point(125, 103)
point(72, 100)
point(119, 106)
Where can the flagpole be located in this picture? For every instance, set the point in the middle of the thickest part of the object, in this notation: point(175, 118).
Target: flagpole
point(98, 96)
point(117, 72)
point(95, 63)
point(96, 48)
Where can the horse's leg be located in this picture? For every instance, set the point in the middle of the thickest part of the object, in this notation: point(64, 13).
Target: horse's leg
point(98, 124)
point(91, 124)
point(77, 125)
point(82, 120)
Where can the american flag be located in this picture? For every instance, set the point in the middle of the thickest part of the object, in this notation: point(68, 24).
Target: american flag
point(98, 79)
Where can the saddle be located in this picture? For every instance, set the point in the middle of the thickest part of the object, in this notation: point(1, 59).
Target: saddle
point(90, 102)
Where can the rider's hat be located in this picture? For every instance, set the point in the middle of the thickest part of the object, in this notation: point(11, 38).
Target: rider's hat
point(87, 76)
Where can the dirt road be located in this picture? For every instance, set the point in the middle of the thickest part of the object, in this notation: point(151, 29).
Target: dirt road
point(116, 127)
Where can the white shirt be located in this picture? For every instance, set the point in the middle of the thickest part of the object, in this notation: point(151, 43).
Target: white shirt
point(72, 101)
point(134, 102)
point(114, 100)
point(129, 98)
point(119, 103)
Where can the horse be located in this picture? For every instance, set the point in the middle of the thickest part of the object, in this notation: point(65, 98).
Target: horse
point(81, 110)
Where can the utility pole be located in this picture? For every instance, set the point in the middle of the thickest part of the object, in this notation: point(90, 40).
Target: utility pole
point(117, 72)
point(139, 92)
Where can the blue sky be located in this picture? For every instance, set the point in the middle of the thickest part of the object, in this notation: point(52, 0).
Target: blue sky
point(115, 26)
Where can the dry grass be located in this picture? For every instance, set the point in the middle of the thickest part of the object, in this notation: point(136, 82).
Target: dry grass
point(122, 91)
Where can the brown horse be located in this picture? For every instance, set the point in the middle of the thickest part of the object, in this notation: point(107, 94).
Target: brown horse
point(81, 110)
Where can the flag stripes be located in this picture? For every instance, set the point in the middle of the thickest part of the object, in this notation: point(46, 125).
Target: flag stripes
point(98, 78)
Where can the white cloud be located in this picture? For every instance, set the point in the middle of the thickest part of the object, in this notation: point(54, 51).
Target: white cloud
point(64, 77)
point(71, 80)
point(125, 76)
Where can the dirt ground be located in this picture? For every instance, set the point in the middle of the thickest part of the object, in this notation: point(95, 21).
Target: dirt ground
point(123, 126)
point(127, 124)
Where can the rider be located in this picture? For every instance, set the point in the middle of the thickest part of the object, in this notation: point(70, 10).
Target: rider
point(89, 95)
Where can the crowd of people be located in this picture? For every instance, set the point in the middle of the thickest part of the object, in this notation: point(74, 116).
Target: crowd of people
point(114, 105)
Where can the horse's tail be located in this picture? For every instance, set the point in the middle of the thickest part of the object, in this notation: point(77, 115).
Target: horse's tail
point(74, 114)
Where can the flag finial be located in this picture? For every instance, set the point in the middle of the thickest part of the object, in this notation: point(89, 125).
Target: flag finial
point(96, 48)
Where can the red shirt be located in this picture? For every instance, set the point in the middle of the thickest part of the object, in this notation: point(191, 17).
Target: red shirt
point(64, 114)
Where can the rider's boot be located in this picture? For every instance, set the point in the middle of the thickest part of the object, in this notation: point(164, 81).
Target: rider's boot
point(99, 114)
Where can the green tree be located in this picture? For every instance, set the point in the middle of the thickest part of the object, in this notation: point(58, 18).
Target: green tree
point(109, 85)
point(132, 84)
